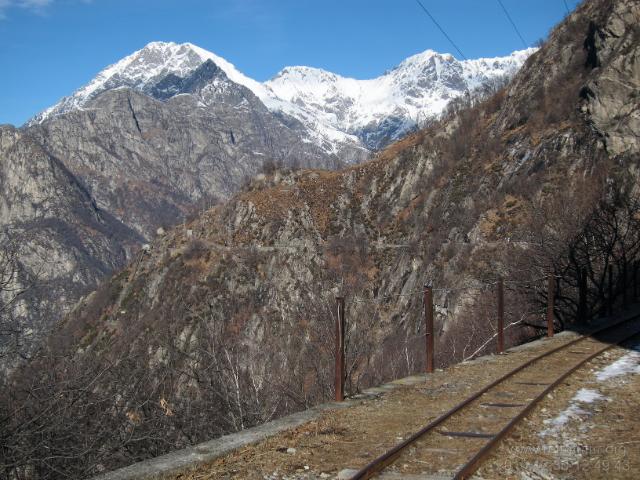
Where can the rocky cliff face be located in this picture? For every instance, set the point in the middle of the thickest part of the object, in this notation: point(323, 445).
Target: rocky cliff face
point(148, 161)
point(613, 99)
point(228, 321)
point(55, 240)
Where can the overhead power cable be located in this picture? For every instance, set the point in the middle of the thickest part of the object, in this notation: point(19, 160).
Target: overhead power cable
point(513, 24)
point(566, 6)
point(441, 29)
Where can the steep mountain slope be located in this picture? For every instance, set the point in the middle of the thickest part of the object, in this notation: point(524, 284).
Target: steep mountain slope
point(56, 240)
point(335, 113)
point(148, 160)
point(228, 322)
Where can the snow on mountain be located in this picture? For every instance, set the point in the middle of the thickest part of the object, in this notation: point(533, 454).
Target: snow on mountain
point(144, 68)
point(418, 88)
point(334, 109)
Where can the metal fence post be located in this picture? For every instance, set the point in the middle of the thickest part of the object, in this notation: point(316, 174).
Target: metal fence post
point(635, 281)
point(582, 295)
point(624, 284)
point(551, 297)
point(340, 325)
point(610, 298)
point(428, 323)
point(500, 298)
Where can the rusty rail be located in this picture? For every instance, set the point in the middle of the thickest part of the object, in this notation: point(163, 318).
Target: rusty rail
point(500, 302)
point(391, 455)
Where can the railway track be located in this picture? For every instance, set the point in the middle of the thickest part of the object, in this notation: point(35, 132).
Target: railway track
point(464, 436)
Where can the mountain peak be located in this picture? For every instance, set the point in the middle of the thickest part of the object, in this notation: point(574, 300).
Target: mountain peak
point(304, 73)
point(426, 56)
point(145, 67)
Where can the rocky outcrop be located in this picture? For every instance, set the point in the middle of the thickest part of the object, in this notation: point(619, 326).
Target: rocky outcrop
point(149, 161)
point(60, 242)
point(613, 99)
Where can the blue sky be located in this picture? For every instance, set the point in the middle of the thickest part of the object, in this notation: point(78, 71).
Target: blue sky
point(48, 48)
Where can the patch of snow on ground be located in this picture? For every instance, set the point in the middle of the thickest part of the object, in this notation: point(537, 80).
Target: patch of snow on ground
point(573, 411)
point(630, 363)
point(586, 395)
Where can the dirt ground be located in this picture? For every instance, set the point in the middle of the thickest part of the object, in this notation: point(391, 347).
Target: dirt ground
point(352, 437)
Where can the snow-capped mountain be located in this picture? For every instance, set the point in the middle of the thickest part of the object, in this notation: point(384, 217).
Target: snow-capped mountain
point(419, 88)
point(142, 70)
point(334, 110)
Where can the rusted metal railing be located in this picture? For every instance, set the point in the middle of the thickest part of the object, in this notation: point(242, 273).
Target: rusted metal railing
point(340, 373)
point(551, 298)
point(500, 302)
point(428, 323)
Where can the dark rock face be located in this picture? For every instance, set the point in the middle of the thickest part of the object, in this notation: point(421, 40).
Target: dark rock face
point(64, 243)
point(173, 85)
point(382, 133)
point(148, 161)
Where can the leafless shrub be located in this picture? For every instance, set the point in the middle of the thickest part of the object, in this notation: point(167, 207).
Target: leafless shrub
point(593, 230)
point(11, 332)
